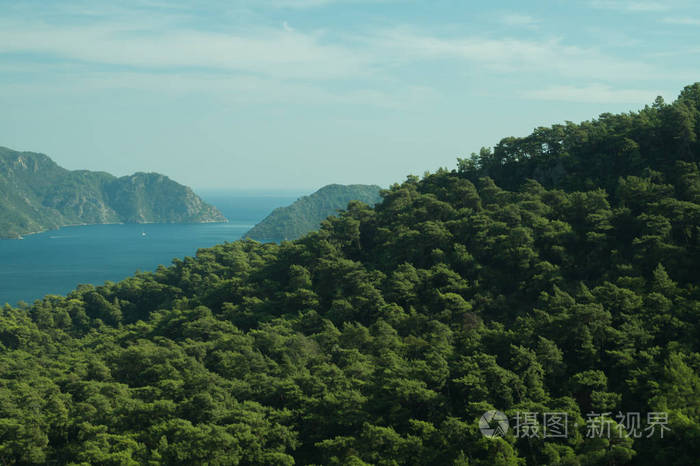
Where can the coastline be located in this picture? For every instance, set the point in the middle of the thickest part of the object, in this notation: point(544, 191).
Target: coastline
point(20, 236)
point(56, 262)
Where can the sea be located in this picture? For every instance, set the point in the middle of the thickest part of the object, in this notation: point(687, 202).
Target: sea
point(56, 261)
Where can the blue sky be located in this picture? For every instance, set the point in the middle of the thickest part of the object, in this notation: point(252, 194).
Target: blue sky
point(295, 94)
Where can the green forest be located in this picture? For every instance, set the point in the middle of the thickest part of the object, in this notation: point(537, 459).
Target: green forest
point(556, 273)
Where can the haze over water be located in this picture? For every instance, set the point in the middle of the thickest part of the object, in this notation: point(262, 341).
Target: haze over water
point(56, 261)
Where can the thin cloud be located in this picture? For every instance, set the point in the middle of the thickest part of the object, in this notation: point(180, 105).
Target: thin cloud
point(298, 3)
point(685, 21)
point(283, 52)
point(307, 4)
point(81, 79)
point(188, 59)
point(519, 20)
point(287, 53)
point(631, 6)
point(593, 94)
point(550, 57)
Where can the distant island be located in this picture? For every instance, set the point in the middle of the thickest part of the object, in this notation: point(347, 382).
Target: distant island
point(36, 194)
point(307, 213)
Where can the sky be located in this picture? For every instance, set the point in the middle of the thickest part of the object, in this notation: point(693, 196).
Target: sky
point(273, 95)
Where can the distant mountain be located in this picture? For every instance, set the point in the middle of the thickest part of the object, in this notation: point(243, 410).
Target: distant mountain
point(307, 213)
point(36, 194)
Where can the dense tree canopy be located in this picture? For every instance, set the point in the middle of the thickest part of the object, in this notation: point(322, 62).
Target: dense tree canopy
point(558, 273)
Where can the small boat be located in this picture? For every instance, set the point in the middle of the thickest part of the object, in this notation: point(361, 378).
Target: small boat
point(143, 233)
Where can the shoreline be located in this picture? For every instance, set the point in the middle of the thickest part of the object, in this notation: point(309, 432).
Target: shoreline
point(21, 236)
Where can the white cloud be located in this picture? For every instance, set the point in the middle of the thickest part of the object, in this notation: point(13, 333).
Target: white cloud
point(284, 53)
point(682, 20)
point(550, 58)
point(596, 93)
point(287, 53)
point(302, 4)
point(285, 62)
point(298, 3)
point(519, 20)
point(631, 6)
point(81, 80)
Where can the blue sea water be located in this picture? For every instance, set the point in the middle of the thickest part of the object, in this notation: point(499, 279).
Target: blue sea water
point(55, 262)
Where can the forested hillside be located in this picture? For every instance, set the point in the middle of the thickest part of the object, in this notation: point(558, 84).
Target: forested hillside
point(306, 213)
point(36, 194)
point(385, 336)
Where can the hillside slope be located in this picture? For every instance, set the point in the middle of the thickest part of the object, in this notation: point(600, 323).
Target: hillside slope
point(36, 194)
point(306, 213)
point(384, 337)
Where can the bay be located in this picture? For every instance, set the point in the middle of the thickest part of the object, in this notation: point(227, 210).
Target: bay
point(56, 261)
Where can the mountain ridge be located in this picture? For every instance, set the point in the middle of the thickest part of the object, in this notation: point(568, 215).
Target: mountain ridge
point(38, 195)
point(306, 213)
